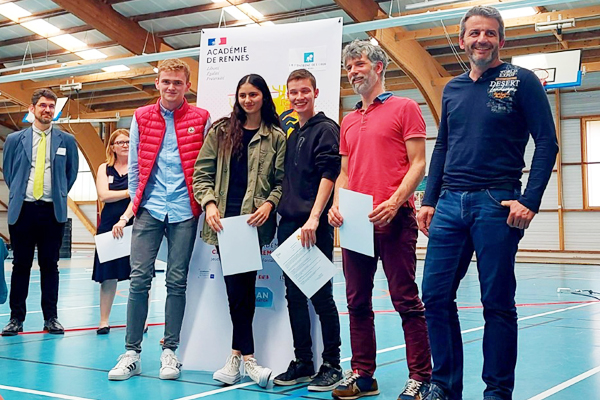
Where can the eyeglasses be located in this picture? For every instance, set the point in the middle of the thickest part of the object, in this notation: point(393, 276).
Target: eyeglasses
point(122, 143)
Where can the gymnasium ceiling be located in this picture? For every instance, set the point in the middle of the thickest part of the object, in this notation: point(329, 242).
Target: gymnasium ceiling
point(70, 31)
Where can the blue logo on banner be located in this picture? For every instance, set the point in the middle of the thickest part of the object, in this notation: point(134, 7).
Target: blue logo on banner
point(309, 57)
point(264, 297)
point(211, 42)
point(212, 276)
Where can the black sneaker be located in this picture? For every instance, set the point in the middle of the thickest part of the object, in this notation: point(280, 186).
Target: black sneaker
point(13, 327)
point(414, 390)
point(297, 372)
point(328, 378)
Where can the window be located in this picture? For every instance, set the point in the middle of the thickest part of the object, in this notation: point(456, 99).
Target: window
point(591, 162)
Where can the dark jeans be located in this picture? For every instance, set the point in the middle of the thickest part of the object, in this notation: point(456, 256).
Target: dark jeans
point(36, 225)
point(242, 297)
point(396, 246)
point(322, 301)
point(145, 242)
point(465, 222)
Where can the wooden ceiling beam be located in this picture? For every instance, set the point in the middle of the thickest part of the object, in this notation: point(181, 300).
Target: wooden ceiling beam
point(272, 18)
point(188, 10)
point(583, 44)
point(41, 15)
point(518, 33)
point(33, 38)
point(92, 78)
point(413, 59)
point(583, 37)
point(509, 23)
point(59, 52)
point(112, 24)
point(87, 137)
point(119, 28)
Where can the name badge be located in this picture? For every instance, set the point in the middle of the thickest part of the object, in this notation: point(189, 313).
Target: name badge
point(111, 179)
point(61, 151)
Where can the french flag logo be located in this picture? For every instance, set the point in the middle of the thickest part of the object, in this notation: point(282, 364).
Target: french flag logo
point(217, 41)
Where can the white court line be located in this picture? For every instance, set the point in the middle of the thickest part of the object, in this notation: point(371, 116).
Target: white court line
point(46, 394)
point(76, 308)
point(234, 387)
point(216, 391)
point(479, 328)
point(566, 384)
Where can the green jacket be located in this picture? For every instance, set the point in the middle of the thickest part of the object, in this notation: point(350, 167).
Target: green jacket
point(266, 155)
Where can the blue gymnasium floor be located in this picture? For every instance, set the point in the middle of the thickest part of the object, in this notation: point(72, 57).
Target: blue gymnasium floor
point(559, 343)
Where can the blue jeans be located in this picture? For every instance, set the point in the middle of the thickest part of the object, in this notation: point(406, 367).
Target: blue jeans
point(463, 223)
point(145, 241)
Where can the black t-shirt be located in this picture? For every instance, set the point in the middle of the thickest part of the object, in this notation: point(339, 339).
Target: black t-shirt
point(238, 178)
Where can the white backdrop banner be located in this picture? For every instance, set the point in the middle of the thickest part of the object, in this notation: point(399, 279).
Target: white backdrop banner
point(227, 55)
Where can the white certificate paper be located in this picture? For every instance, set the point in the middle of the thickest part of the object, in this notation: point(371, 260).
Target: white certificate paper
point(356, 233)
point(109, 248)
point(308, 268)
point(238, 245)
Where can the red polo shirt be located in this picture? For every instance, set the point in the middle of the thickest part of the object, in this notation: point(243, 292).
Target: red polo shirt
point(375, 142)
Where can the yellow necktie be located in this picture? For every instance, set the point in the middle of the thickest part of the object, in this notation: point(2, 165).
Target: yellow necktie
point(40, 165)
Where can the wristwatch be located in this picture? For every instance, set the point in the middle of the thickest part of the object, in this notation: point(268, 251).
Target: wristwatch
point(124, 218)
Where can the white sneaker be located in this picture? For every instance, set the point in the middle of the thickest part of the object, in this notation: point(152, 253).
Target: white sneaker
point(128, 365)
point(258, 374)
point(230, 373)
point(170, 367)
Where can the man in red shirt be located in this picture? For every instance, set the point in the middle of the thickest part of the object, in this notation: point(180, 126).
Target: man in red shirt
point(383, 154)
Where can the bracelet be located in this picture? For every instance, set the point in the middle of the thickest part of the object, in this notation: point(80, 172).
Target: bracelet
point(124, 218)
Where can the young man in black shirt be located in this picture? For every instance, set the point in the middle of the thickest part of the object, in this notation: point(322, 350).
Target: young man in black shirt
point(312, 165)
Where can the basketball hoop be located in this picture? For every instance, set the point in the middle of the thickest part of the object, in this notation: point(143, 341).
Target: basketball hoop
point(542, 74)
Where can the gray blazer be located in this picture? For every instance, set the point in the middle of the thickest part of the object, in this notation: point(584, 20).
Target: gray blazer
point(17, 167)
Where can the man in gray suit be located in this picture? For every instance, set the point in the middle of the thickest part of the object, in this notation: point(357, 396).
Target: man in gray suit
point(40, 167)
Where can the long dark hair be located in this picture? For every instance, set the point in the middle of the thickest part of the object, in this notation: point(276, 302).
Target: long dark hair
point(232, 134)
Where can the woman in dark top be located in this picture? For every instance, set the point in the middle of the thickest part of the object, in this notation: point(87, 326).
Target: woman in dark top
point(111, 184)
point(239, 171)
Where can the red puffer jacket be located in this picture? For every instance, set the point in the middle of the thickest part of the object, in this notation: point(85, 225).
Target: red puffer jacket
point(190, 122)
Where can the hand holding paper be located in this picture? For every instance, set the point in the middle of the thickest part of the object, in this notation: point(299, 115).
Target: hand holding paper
point(110, 248)
point(356, 233)
point(308, 268)
point(238, 246)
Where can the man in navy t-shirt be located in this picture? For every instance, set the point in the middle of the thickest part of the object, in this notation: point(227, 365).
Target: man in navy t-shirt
point(473, 202)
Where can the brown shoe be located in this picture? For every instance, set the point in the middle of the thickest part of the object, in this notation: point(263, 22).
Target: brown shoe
point(350, 390)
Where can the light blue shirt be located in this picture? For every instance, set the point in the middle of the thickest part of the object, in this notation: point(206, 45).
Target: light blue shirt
point(166, 195)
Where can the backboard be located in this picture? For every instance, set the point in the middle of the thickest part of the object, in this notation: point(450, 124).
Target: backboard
point(555, 70)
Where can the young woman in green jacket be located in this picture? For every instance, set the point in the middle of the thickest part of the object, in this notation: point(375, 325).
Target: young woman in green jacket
point(239, 171)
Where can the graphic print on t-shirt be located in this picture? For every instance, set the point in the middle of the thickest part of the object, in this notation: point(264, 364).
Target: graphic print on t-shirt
point(502, 91)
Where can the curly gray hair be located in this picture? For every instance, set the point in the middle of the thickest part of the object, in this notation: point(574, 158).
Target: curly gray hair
point(375, 54)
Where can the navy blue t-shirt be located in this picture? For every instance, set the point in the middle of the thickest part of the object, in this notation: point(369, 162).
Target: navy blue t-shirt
point(484, 129)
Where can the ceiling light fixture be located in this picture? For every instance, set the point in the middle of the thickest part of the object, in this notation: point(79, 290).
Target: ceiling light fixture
point(557, 25)
point(41, 27)
point(68, 42)
point(91, 54)
point(32, 65)
point(116, 68)
point(429, 4)
point(518, 13)
point(236, 13)
point(13, 11)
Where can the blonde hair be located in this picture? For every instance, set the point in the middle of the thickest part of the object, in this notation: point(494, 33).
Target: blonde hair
point(110, 155)
point(175, 65)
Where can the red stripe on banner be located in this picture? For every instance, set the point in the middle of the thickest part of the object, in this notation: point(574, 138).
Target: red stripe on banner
point(92, 328)
point(557, 303)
